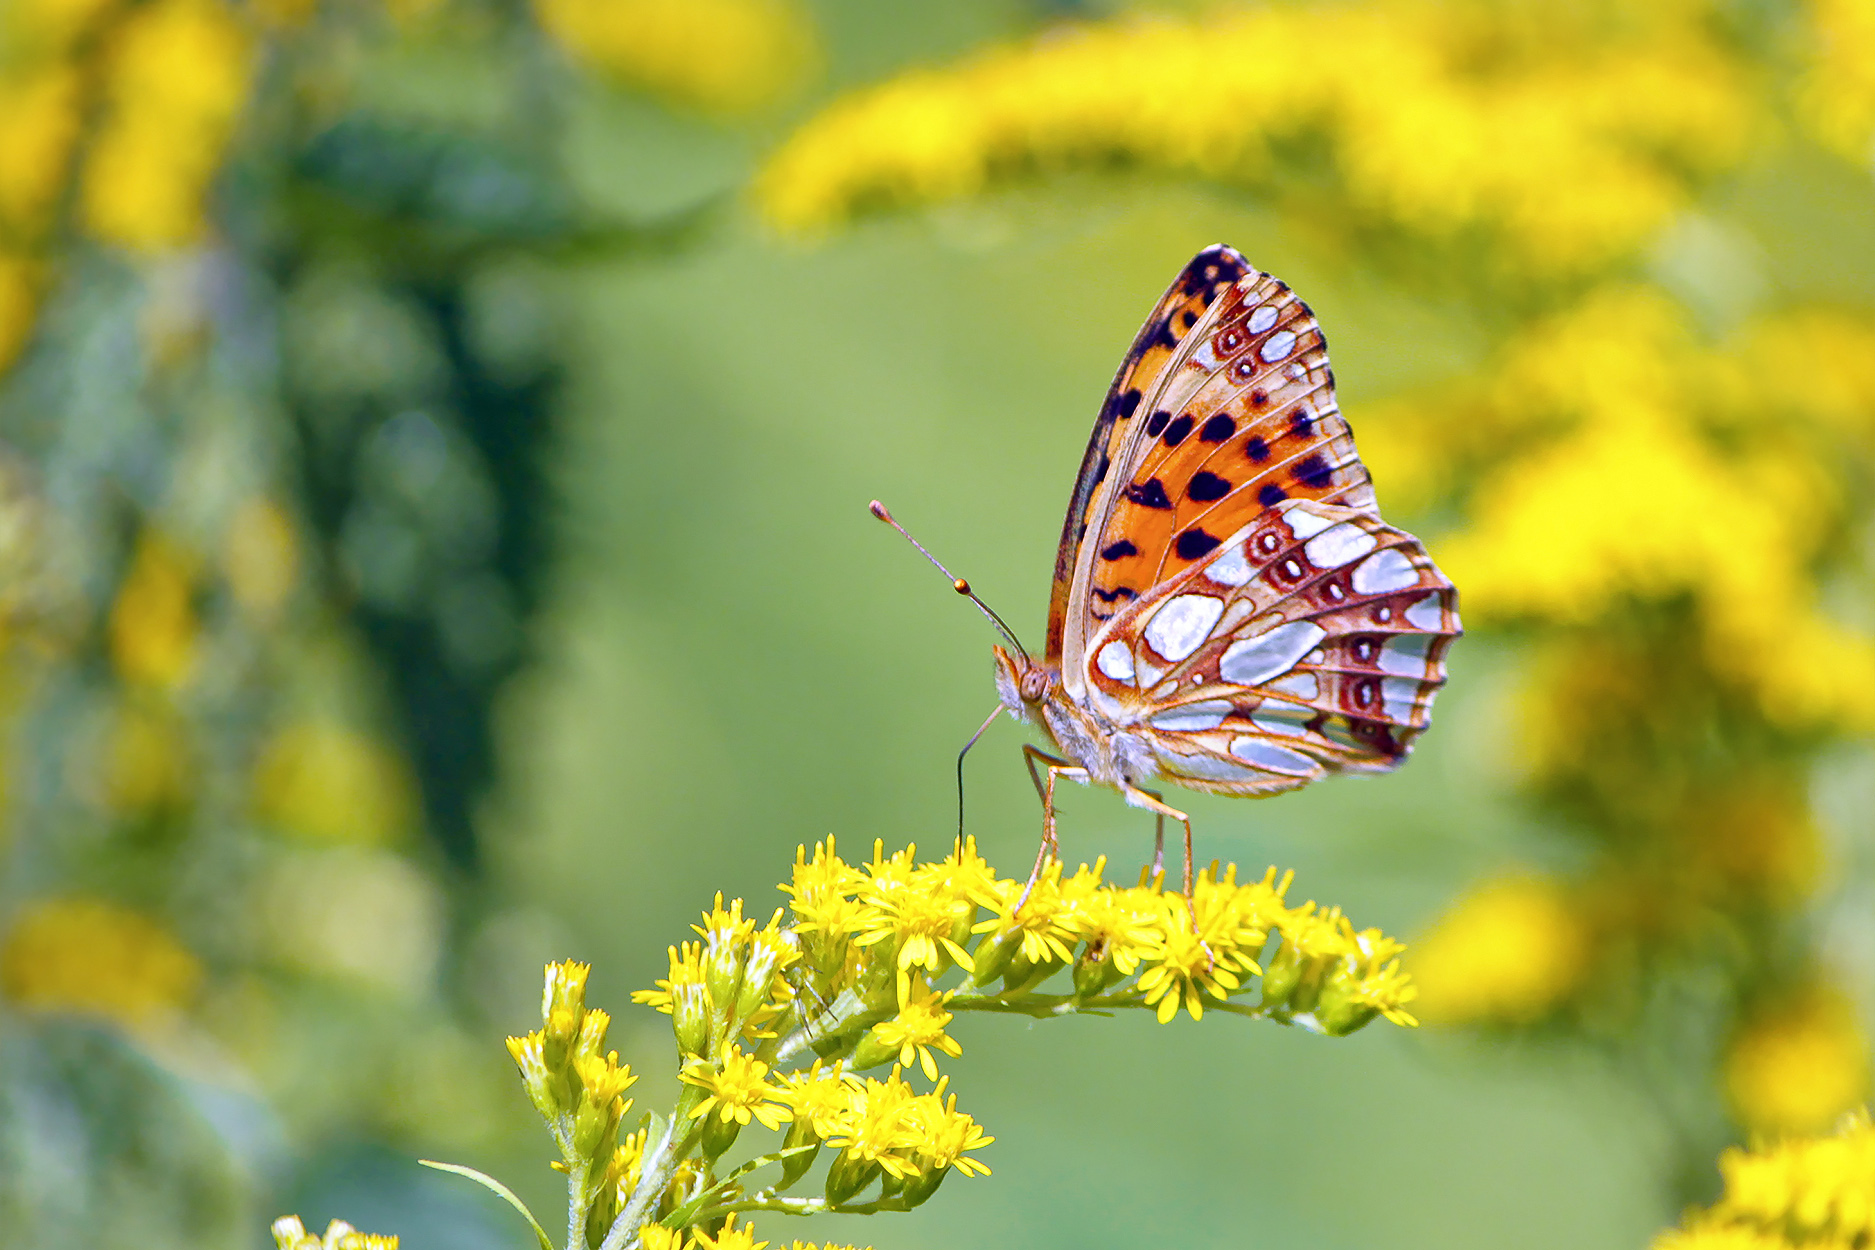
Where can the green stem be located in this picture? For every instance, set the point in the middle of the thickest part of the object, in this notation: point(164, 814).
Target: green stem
point(660, 1164)
point(846, 1010)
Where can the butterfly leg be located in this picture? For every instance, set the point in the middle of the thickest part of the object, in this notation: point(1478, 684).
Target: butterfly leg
point(1057, 767)
point(1154, 804)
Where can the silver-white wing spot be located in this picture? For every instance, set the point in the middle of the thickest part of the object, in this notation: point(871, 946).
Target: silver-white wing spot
point(1278, 718)
point(1397, 695)
point(1276, 346)
point(1185, 621)
point(1424, 614)
point(1269, 755)
point(1205, 714)
point(1338, 545)
point(1116, 661)
point(1209, 767)
point(1252, 661)
point(1404, 655)
point(1230, 568)
point(1303, 523)
point(1262, 319)
point(1387, 570)
point(1302, 686)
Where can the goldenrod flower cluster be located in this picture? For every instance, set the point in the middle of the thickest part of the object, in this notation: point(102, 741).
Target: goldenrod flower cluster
point(1807, 1192)
point(1508, 952)
point(780, 1026)
point(290, 1234)
point(1797, 1064)
point(1647, 474)
point(1434, 119)
point(720, 56)
point(1837, 94)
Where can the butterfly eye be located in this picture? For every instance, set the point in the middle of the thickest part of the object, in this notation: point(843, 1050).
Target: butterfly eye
point(1034, 685)
point(1229, 341)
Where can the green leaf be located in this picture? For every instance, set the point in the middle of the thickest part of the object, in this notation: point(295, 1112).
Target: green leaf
point(507, 1195)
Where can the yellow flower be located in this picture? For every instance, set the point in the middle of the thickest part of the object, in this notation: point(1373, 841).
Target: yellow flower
point(917, 1030)
point(1048, 924)
point(944, 1133)
point(730, 1238)
point(738, 1090)
point(92, 957)
point(658, 1237)
point(1837, 95)
point(875, 1129)
point(1571, 153)
point(290, 1234)
point(1179, 967)
point(721, 56)
point(146, 761)
point(1119, 925)
point(177, 74)
point(328, 782)
point(1798, 1066)
point(261, 558)
point(820, 1099)
point(153, 626)
point(1508, 952)
point(1815, 1193)
point(921, 912)
point(38, 126)
point(822, 891)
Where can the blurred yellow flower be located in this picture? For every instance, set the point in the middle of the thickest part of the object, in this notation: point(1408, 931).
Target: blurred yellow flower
point(38, 126)
point(1798, 1065)
point(1562, 155)
point(1809, 1192)
point(52, 26)
point(721, 56)
point(729, 1237)
point(1837, 96)
point(1508, 952)
point(260, 558)
point(177, 76)
point(153, 625)
point(146, 763)
point(331, 783)
point(93, 957)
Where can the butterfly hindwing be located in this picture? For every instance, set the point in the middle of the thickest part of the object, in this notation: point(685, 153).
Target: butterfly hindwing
point(1310, 640)
point(1185, 303)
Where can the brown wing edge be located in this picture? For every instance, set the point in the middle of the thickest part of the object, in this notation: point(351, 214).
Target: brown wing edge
point(1211, 272)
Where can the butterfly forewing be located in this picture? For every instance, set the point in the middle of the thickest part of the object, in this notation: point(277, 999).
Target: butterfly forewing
point(1240, 417)
point(1311, 640)
point(1211, 274)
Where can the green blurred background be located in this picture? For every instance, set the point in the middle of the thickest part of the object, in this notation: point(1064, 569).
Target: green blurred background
point(435, 543)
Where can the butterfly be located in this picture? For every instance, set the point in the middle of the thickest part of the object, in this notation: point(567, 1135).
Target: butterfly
point(1229, 612)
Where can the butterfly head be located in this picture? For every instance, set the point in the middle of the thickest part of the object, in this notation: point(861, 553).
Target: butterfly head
point(1022, 683)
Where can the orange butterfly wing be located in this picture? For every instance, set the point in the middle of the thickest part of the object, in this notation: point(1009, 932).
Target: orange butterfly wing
point(1210, 273)
point(1235, 523)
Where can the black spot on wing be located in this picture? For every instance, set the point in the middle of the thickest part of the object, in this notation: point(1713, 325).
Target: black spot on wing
point(1122, 406)
point(1193, 543)
point(1206, 486)
point(1271, 495)
point(1149, 494)
point(1100, 474)
point(1259, 399)
point(1187, 319)
point(1176, 432)
point(1313, 471)
point(1218, 429)
point(1301, 423)
point(1119, 550)
point(1256, 449)
point(1114, 595)
point(1155, 424)
point(1163, 336)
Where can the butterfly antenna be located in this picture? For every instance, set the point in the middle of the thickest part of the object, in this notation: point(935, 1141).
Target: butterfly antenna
point(958, 584)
